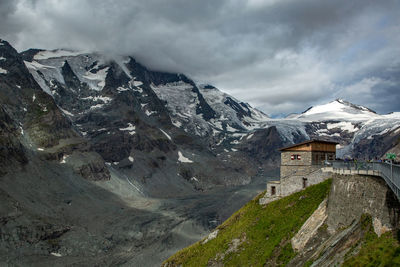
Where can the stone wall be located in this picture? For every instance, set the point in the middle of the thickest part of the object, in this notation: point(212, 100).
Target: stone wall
point(268, 197)
point(295, 167)
point(294, 183)
point(297, 170)
point(305, 158)
point(277, 186)
point(353, 195)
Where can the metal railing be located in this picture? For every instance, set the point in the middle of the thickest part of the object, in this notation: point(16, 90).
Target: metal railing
point(389, 172)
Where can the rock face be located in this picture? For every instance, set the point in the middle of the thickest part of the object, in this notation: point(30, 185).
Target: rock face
point(354, 195)
point(32, 121)
point(310, 227)
point(338, 225)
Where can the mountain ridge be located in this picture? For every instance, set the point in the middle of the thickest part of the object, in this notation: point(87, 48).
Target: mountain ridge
point(111, 139)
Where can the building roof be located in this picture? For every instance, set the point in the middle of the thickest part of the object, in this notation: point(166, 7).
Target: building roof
point(308, 142)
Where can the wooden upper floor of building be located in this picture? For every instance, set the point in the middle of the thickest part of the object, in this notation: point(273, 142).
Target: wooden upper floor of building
point(312, 146)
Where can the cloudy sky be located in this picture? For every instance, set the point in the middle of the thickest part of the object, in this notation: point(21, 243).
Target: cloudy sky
point(281, 56)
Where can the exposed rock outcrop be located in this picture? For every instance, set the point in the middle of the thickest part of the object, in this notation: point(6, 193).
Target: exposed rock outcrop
point(356, 204)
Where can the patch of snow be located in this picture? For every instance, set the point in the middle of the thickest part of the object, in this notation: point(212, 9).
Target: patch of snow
point(137, 83)
point(131, 128)
point(138, 89)
point(249, 136)
point(64, 158)
point(18, 86)
point(321, 131)
point(104, 99)
point(220, 141)
point(3, 71)
point(177, 124)
point(40, 149)
point(122, 89)
point(344, 126)
point(167, 135)
point(97, 106)
point(37, 66)
point(183, 159)
point(217, 124)
point(22, 130)
point(66, 112)
point(130, 158)
point(33, 98)
point(2, 59)
point(99, 77)
point(56, 53)
point(230, 129)
point(234, 149)
point(149, 113)
point(56, 254)
point(194, 179)
point(385, 131)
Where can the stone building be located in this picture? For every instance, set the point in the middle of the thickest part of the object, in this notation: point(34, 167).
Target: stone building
point(304, 158)
point(301, 166)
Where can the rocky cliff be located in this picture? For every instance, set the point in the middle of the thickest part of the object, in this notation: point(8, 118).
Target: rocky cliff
point(356, 204)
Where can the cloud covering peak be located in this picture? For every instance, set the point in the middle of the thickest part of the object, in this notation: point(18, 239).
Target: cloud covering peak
point(281, 56)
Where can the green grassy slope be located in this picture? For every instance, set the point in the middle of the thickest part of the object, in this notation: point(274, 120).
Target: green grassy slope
point(256, 235)
point(376, 251)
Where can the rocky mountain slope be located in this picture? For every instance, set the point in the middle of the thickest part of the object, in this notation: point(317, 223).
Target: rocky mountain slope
point(103, 160)
point(136, 117)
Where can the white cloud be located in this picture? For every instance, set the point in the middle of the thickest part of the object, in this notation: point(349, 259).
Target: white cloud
point(281, 56)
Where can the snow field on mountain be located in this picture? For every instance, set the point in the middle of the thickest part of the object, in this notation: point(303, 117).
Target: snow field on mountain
point(130, 128)
point(46, 54)
point(336, 110)
point(344, 126)
point(99, 77)
point(183, 159)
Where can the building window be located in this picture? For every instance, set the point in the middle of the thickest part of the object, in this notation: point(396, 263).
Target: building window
point(293, 157)
point(273, 190)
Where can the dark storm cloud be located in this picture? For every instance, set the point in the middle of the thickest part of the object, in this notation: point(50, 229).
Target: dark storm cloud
point(281, 56)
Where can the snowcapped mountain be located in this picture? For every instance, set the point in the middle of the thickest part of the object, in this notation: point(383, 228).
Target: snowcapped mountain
point(158, 128)
point(355, 127)
point(336, 110)
point(143, 122)
point(70, 118)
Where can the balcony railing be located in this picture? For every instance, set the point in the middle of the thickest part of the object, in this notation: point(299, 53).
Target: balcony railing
point(389, 172)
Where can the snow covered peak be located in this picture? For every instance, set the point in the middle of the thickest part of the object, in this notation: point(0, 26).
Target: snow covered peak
point(336, 110)
point(46, 54)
